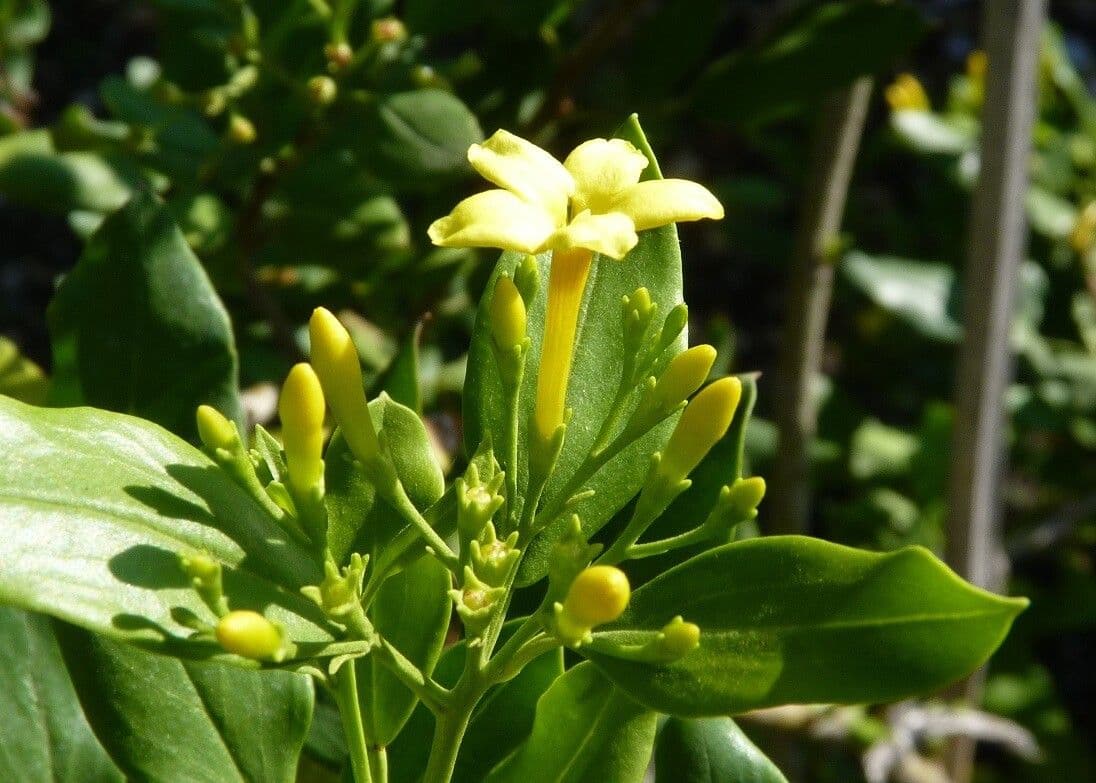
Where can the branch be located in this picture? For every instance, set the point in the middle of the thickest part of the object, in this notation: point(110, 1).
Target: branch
point(810, 287)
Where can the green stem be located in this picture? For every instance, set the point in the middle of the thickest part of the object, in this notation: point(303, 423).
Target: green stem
point(378, 764)
point(448, 733)
point(433, 695)
point(346, 697)
point(397, 496)
point(652, 548)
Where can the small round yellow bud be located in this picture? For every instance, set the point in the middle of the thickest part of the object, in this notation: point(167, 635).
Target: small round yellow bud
point(215, 430)
point(249, 635)
point(679, 638)
point(301, 408)
point(339, 55)
point(201, 567)
point(686, 372)
point(388, 29)
point(322, 90)
point(598, 595)
point(507, 310)
point(241, 130)
point(335, 360)
point(704, 422)
point(745, 495)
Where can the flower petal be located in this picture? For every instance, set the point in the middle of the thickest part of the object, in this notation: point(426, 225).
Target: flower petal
point(494, 218)
point(604, 168)
point(523, 168)
point(611, 234)
point(659, 202)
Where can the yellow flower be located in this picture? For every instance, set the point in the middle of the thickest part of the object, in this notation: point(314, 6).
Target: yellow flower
point(593, 200)
point(907, 94)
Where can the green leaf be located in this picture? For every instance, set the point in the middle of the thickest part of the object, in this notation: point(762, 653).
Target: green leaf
point(655, 263)
point(46, 736)
point(921, 294)
point(415, 137)
point(499, 723)
point(710, 750)
point(33, 173)
point(401, 378)
point(822, 49)
point(19, 376)
point(138, 328)
point(794, 620)
point(411, 611)
point(95, 509)
point(169, 720)
point(585, 731)
point(358, 521)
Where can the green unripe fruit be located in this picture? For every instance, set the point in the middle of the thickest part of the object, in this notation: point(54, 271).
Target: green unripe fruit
point(249, 635)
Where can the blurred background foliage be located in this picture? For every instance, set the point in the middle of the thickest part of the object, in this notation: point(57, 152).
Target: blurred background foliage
point(302, 146)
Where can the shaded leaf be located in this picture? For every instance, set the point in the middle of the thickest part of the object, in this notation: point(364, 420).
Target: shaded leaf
point(710, 750)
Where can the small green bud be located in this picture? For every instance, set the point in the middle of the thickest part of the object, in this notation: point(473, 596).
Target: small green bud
point(598, 595)
point(340, 592)
point(569, 556)
point(684, 375)
point(743, 498)
point(250, 635)
point(477, 500)
point(476, 602)
point(527, 278)
point(322, 90)
point(205, 577)
point(241, 130)
point(215, 430)
point(493, 559)
point(677, 639)
point(674, 324)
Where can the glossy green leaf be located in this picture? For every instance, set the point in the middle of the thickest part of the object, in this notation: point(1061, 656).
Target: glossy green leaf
point(585, 731)
point(19, 376)
point(710, 750)
point(821, 49)
point(499, 723)
point(96, 507)
point(357, 520)
point(414, 137)
point(922, 294)
point(412, 611)
point(795, 620)
point(46, 736)
point(34, 173)
point(401, 378)
point(168, 720)
point(655, 263)
point(138, 328)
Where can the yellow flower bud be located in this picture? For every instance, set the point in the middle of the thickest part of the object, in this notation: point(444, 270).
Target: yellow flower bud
point(976, 65)
point(744, 496)
point(679, 638)
point(598, 595)
point(338, 55)
point(388, 29)
point(301, 408)
point(241, 130)
point(335, 360)
point(215, 430)
point(907, 94)
point(686, 372)
point(1083, 235)
point(322, 90)
point(249, 635)
point(704, 422)
point(507, 312)
point(200, 567)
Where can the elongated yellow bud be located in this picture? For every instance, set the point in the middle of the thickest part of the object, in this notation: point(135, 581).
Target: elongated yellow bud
point(907, 94)
point(249, 635)
point(301, 408)
point(598, 595)
point(704, 422)
point(686, 372)
point(215, 430)
point(507, 312)
point(335, 360)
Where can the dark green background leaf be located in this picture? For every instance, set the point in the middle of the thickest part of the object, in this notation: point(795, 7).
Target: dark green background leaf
point(126, 338)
